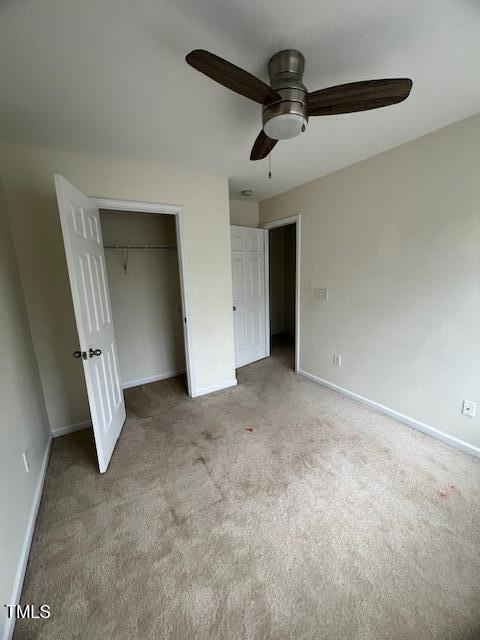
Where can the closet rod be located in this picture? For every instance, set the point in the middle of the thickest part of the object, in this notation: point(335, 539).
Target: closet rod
point(140, 246)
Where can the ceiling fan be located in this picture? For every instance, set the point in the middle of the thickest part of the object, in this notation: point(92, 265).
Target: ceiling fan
point(287, 105)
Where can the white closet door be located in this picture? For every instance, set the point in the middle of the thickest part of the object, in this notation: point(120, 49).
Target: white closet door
point(248, 273)
point(82, 237)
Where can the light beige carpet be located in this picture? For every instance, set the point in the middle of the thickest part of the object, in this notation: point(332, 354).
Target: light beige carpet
point(324, 521)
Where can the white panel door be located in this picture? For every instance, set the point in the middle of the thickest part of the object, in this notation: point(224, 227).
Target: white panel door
point(82, 236)
point(248, 273)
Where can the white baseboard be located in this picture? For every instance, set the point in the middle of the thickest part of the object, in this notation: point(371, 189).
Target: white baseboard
point(201, 391)
point(155, 378)
point(27, 542)
point(396, 415)
point(69, 428)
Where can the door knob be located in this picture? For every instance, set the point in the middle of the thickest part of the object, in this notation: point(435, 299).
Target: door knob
point(94, 352)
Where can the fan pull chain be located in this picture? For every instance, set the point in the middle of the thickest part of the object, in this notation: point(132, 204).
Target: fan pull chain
point(269, 167)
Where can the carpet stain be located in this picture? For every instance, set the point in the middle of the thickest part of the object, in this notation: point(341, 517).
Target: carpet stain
point(177, 520)
point(202, 460)
point(444, 493)
point(208, 435)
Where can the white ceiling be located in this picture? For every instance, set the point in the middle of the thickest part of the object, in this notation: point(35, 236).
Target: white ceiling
point(109, 76)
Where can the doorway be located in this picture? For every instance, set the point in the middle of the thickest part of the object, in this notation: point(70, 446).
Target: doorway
point(144, 283)
point(283, 278)
point(175, 215)
point(266, 289)
point(97, 346)
point(282, 289)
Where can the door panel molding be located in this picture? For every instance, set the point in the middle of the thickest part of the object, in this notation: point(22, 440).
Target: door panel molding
point(80, 222)
point(249, 294)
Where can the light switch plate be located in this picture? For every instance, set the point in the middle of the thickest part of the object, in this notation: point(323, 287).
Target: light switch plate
point(320, 294)
point(337, 360)
point(469, 408)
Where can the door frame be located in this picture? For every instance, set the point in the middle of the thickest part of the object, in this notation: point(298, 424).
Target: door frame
point(134, 206)
point(283, 222)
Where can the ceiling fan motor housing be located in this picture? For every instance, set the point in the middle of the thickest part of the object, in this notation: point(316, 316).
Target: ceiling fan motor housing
point(287, 117)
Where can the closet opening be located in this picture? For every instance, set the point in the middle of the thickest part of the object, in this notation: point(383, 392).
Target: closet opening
point(143, 269)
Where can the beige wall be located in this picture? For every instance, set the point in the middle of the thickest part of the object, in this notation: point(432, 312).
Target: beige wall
point(23, 419)
point(146, 301)
point(244, 213)
point(28, 178)
point(396, 240)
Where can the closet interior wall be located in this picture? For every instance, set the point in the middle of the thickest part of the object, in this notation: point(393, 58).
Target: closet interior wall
point(145, 294)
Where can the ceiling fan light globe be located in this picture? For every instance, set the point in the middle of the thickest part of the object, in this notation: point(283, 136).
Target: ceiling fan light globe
point(284, 126)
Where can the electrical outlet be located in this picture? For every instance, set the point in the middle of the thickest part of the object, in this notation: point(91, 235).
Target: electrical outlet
point(25, 461)
point(320, 294)
point(469, 408)
point(337, 360)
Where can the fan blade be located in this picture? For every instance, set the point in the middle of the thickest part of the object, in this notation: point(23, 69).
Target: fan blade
point(262, 146)
point(231, 76)
point(358, 96)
